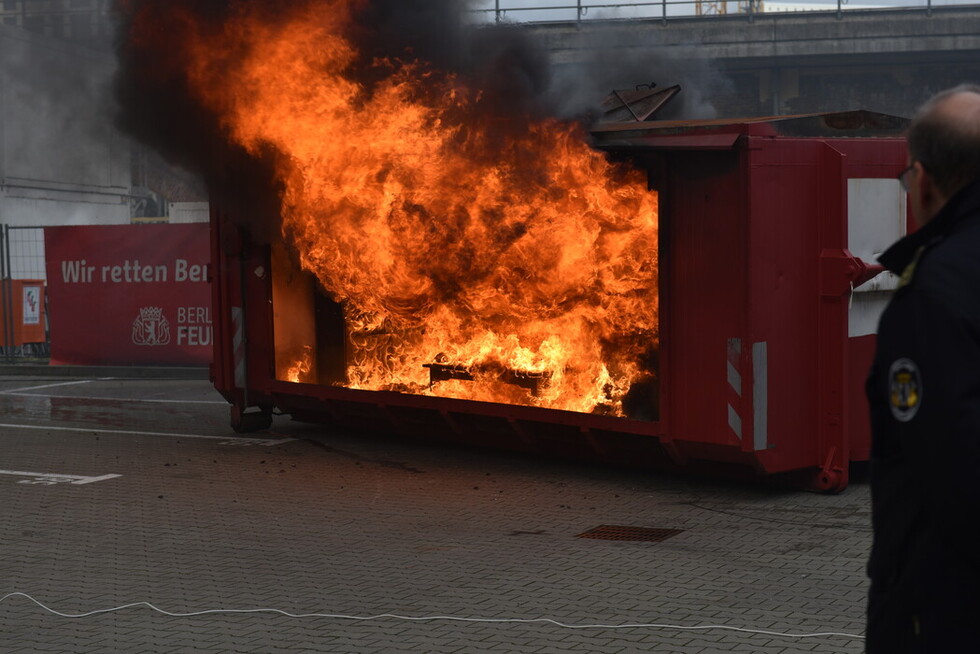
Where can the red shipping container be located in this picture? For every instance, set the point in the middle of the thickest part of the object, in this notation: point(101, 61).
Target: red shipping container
point(769, 299)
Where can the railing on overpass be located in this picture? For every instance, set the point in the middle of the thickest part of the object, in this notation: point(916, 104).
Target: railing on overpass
point(545, 11)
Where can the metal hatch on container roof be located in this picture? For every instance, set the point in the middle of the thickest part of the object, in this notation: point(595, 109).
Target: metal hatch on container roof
point(639, 104)
point(722, 133)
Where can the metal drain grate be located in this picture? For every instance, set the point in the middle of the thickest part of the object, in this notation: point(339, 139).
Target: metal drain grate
point(619, 532)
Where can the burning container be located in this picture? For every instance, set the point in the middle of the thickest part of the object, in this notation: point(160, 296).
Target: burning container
point(762, 311)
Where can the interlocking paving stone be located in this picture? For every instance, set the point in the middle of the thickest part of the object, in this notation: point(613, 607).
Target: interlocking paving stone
point(340, 523)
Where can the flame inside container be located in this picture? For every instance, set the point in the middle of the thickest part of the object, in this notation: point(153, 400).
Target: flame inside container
point(301, 368)
point(446, 235)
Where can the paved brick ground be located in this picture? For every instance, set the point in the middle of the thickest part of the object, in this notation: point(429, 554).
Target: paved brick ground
point(339, 524)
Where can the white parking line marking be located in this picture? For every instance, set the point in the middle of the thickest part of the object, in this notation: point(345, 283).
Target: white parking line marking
point(49, 479)
point(226, 440)
point(14, 391)
point(17, 393)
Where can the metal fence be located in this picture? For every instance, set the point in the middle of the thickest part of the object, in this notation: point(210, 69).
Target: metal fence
point(23, 301)
point(542, 11)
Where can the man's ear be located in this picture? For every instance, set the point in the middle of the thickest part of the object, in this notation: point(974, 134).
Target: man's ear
point(931, 199)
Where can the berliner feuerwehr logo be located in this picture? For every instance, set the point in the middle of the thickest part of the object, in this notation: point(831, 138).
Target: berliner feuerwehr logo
point(151, 327)
point(904, 389)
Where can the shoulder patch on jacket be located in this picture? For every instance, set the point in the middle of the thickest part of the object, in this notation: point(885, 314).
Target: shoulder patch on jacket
point(904, 389)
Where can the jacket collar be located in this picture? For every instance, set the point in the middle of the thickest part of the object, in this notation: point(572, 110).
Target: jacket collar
point(964, 202)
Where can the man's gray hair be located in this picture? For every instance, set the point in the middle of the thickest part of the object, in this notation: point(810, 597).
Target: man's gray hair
point(948, 147)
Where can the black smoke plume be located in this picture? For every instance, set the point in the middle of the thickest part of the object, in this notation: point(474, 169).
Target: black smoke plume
point(158, 107)
point(515, 80)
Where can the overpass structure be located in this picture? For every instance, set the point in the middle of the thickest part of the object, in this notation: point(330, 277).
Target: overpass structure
point(886, 60)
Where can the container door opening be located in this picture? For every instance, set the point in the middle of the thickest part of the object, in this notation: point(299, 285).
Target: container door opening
point(570, 325)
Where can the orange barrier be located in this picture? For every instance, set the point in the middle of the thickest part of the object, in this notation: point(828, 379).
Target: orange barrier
point(27, 318)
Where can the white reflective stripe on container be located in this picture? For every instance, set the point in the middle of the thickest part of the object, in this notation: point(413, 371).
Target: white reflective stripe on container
point(760, 395)
point(758, 372)
point(735, 421)
point(735, 383)
point(238, 345)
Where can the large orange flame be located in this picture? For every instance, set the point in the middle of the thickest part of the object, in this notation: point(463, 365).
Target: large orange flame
point(446, 238)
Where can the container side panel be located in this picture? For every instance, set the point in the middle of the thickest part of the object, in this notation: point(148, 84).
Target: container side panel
point(222, 276)
point(833, 436)
point(704, 262)
point(786, 204)
point(258, 321)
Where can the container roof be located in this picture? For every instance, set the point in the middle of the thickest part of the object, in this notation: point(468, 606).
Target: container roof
point(723, 132)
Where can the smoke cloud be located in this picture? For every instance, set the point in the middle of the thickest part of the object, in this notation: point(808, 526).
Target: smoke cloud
point(158, 108)
point(514, 71)
point(56, 94)
point(578, 88)
point(514, 77)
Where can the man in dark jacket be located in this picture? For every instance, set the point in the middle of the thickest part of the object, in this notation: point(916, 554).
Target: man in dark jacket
point(924, 394)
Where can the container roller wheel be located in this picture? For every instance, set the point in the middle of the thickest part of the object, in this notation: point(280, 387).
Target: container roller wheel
point(244, 422)
point(828, 481)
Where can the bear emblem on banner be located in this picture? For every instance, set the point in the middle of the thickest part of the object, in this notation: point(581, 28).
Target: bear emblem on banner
point(151, 327)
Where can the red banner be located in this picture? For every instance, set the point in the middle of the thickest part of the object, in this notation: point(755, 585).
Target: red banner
point(129, 294)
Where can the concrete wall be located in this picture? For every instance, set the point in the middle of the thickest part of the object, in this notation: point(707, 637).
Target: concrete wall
point(189, 212)
point(881, 60)
point(61, 161)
